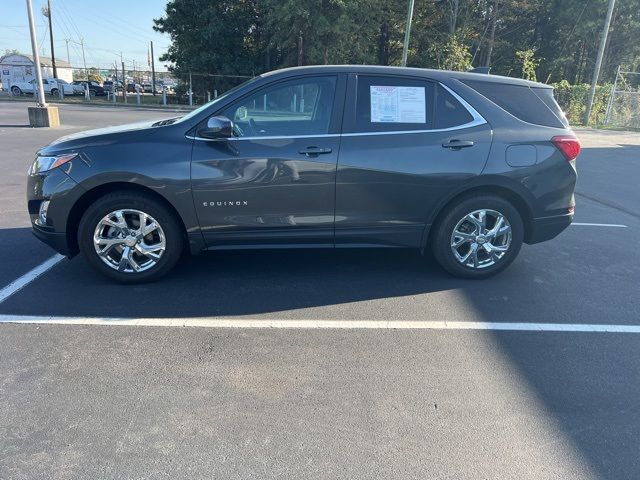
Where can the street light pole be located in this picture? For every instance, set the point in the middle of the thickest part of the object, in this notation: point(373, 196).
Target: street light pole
point(596, 70)
point(36, 56)
point(407, 32)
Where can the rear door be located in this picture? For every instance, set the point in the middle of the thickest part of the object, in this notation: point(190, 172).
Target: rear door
point(274, 182)
point(407, 143)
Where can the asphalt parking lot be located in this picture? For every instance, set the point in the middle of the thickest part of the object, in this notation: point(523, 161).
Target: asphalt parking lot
point(156, 400)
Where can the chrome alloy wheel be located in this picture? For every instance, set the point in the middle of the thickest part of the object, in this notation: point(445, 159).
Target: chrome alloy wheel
point(481, 238)
point(129, 241)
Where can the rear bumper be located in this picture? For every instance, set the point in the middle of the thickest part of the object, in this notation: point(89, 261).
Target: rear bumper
point(546, 228)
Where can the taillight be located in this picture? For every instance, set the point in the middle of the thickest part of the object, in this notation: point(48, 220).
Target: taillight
point(568, 145)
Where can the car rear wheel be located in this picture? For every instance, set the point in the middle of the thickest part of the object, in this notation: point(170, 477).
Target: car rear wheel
point(130, 237)
point(54, 91)
point(16, 91)
point(478, 237)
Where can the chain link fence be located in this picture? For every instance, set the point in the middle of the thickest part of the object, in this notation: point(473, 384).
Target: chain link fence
point(115, 86)
point(623, 109)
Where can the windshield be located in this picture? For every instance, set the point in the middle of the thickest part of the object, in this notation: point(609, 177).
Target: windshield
point(201, 109)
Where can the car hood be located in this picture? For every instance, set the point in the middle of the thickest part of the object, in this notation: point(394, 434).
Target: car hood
point(100, 136)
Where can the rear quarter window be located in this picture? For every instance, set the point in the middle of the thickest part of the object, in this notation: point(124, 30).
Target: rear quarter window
point(537, 107)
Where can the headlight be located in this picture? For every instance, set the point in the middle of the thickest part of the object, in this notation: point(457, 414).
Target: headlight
point(42, 164)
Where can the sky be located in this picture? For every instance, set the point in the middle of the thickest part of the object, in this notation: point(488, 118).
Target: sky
point(125, 26)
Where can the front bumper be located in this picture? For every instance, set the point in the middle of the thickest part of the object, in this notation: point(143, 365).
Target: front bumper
point(56, 240)
point(62, 193)
point(546, 228)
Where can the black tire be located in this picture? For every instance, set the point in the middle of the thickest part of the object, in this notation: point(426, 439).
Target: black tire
point(441, 237)
point(16, 91)
point(54, 92)
point(170, 226)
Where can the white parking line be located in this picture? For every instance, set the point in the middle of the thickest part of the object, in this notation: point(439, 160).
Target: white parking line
point(578, 224)
point(29, 277)
point(233, 323)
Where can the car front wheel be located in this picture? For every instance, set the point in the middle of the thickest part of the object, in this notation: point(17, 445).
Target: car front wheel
point(478, 237)
point(130, 237)
point(16, 91)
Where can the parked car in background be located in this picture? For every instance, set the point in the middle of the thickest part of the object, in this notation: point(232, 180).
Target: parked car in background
point(111, 86)
point(134, 87)
point(147, 88)
point(169, 87)
point(76, 89)
point(51, 86)
point(468, 165)
point(95, 89)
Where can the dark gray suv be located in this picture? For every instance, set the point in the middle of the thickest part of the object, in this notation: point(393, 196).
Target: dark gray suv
point(468, 165)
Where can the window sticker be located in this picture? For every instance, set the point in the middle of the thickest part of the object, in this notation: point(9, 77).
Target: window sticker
point(397, 104)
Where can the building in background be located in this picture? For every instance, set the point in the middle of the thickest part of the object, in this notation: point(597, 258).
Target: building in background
point(20, 68)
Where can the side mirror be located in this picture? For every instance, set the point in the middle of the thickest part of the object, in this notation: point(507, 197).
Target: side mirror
point(217, 127)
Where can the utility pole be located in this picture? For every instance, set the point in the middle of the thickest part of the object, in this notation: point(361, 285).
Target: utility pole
point(596, 70)
point(66, 40)
point(36, 56)
point(407, 32)
point(124, 81)
point(47, 13)
point(84, 61)
point(153, 72)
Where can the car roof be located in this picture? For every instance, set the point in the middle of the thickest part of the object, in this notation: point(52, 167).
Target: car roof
point(438, 75)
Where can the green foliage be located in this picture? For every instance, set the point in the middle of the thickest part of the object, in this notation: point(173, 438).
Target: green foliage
point(529, 64)
point(452, 55)
point(249, 37)
point(573, 100)
point(92, 72)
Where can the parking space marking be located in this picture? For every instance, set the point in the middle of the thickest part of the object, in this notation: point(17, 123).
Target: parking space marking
point(578, 224)
point(29, 277)
point(233, 323)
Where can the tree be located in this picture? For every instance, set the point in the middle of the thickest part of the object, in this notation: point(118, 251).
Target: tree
point(529, 64)
point(248, 37)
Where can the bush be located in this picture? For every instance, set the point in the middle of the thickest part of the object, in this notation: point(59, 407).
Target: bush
point(573, 101)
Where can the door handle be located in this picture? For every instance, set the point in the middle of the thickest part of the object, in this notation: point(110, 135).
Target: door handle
point(457, 144)
point(314, 151)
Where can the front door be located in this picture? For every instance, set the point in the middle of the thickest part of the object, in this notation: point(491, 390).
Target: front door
point(273, 183)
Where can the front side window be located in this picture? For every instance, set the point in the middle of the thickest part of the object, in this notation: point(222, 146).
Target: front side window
point(294, 108)
point(388, 104)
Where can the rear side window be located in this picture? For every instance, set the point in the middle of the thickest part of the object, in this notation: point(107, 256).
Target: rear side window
point(521, 102)
point(392, 104)
point(449, 111)
point(546, 95)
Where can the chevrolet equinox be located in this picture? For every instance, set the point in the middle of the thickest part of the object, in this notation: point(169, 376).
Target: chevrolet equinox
point(468, 165)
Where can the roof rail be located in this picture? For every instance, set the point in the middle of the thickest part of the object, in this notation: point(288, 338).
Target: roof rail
point(484, 70)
